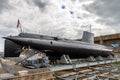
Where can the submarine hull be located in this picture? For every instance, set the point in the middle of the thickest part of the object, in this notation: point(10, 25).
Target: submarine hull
point(55, 48)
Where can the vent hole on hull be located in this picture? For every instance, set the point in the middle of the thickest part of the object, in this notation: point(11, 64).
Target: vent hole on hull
point(51, 42)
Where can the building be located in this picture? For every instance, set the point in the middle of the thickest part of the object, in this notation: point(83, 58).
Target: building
point(112, 40)
point(1, 53)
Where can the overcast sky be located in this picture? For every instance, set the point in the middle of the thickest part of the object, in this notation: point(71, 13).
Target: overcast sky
point(63, 18)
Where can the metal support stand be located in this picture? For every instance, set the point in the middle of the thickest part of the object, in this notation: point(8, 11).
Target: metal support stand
point(110, 57)
point(65, 59)
point(99, 58)
point(91, 59)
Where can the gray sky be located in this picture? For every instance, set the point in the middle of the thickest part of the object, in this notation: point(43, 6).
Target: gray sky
point(63, 18)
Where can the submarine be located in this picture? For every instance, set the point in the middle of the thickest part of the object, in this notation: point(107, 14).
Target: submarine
point(55, 47)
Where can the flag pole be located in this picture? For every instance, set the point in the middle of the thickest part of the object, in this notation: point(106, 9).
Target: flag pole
point(21, 28)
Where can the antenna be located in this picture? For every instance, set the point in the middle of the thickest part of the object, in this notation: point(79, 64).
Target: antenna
point(90, 28)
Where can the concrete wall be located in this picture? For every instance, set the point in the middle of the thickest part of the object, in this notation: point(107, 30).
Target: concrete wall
point(108, 40)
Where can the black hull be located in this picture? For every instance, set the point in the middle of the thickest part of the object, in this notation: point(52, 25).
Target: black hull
point(56, 48)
